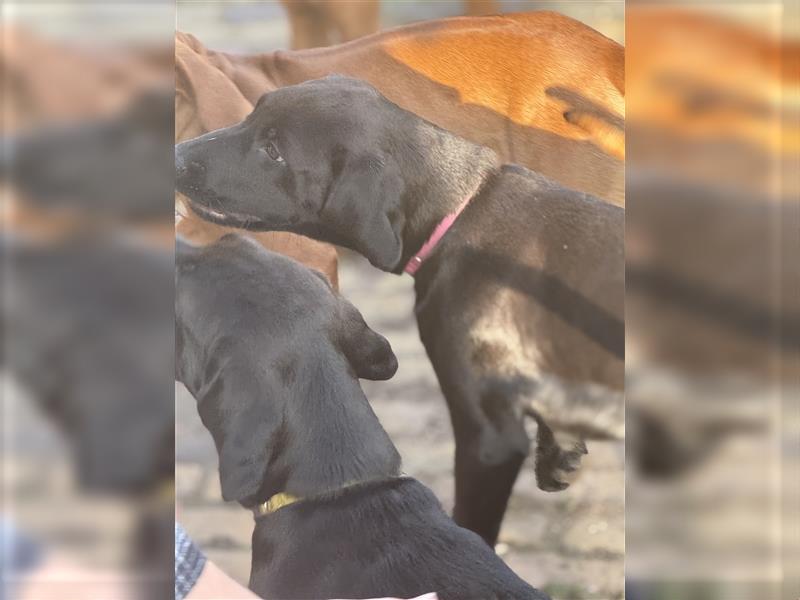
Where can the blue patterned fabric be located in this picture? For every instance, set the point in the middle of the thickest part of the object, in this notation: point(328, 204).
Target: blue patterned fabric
point(189, 563)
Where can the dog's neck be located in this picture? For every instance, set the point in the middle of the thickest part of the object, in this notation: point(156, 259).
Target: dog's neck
point(320, 454)
point(443, 174)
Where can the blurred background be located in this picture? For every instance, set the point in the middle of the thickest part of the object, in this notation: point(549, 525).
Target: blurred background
point(571, 543)
point(712, 302)
point(86, 173)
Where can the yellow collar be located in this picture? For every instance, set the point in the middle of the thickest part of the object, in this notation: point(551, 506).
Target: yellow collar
point(275, 502)
point(282, 499)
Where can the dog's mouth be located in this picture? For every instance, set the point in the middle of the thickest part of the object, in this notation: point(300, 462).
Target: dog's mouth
point(226, 219)
point(229, 218)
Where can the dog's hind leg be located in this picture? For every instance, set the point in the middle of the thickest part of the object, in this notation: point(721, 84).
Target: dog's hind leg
point(558, 457)
point(566, 415)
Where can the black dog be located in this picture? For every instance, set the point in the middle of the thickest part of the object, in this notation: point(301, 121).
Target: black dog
point(273, 355)
point(520, 305)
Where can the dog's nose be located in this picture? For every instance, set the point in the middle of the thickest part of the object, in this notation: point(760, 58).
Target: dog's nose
point(186, 169)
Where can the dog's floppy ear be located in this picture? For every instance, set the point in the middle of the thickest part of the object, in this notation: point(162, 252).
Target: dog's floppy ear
point(243, 430)
point(364, 209)
point(369, 353)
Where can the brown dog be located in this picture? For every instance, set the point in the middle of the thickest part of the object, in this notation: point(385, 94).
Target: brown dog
point(541, 89)
point(316, 23)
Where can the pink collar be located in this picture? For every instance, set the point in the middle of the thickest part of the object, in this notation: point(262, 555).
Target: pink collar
point(416, 261)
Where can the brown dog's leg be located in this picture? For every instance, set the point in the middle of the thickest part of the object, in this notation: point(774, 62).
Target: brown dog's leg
point(479, 8)
point(355, 18)
point(308, 24)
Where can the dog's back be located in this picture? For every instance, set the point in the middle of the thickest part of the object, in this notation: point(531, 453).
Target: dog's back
point(554, 257)
point(387, 538)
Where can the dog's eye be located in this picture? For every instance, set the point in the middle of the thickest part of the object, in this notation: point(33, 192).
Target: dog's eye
point(272, 151)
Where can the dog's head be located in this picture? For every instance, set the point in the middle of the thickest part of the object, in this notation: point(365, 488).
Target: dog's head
point(334, 160)
point(311, 158)
point(273, 355)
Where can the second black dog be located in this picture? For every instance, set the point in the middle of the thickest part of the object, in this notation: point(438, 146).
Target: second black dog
point(273, 355)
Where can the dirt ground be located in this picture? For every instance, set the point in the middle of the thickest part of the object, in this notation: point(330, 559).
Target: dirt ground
point(569, 543)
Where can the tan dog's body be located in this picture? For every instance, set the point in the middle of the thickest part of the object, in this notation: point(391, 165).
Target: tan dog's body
point(541, 89)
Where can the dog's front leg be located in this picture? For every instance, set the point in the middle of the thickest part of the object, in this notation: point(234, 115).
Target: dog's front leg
point(491, 446)
point(487, 416)
point(483, 487)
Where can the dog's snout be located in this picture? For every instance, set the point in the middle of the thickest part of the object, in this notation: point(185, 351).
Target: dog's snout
point(186, 166)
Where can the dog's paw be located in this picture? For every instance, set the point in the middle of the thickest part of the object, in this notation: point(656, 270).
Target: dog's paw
point(557, 467)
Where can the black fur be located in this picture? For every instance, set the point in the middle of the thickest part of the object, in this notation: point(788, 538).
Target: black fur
point(265, 347)
point(272, 354)
point(388, 538)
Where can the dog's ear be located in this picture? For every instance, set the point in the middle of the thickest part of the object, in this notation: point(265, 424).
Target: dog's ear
point(243, 429)
point(364, 209)
point(369, 353)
